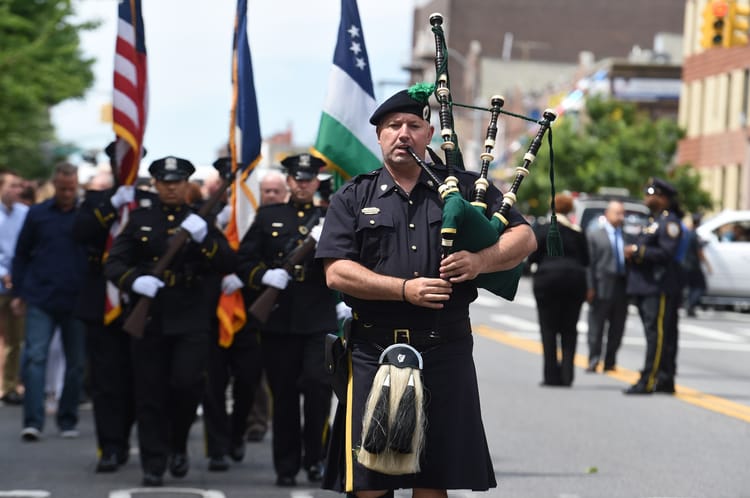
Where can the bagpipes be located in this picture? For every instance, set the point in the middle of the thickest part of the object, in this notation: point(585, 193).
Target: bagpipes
point(466, 225)
point(394, 419)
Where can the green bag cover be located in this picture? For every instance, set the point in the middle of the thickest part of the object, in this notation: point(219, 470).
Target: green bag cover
point(471, 231)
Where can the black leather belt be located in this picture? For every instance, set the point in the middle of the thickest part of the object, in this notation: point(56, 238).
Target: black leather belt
point(419, 338)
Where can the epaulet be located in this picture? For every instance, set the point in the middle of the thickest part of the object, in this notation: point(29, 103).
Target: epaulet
point(365, 176)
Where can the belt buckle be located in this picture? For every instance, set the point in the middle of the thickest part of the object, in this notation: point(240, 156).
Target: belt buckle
point(299, 273)
point(401, 336)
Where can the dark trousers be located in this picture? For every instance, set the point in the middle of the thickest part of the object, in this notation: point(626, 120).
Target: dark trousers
point(240, 362)
point(558, 317)
point(610, 313)
point(294, 364)
point(659, 316)
point(169, 373)
point(111, 387)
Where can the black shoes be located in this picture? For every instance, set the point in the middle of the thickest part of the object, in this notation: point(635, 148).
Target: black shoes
point(315, 473)
point(152, 480)
point(664, 386)
point(179, 464)
point(107, 464)
point(256, 433)
point(12, 398)
point(218, 464)
point(637, 388)
point(237, 451)
point(286, 481)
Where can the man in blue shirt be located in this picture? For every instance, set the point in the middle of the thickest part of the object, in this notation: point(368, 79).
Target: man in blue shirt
point(48, 271)
point(12, 214)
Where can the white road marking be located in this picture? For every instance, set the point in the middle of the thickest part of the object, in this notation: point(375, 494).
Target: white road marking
point(202, 493)
point(26, 493)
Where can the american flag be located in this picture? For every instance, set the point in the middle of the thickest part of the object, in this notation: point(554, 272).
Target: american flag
point(244, 146)
point(130, 99)
point(129, 104)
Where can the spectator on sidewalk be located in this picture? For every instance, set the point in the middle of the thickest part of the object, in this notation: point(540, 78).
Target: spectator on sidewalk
point(48, 270)
point(12, 215)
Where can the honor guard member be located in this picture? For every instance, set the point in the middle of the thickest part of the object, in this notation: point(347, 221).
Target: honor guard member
point(170, 360)
point(107, 345)
point(654, 283)
point(381, 248)
point(234, 357)
point(293, 338)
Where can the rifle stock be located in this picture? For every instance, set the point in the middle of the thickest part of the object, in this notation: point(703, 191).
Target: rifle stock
point(135, 323)
point(264, 303)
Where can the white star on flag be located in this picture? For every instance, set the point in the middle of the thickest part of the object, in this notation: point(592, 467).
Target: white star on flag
point(361, 63)
point(353, 31)
point(355, 48)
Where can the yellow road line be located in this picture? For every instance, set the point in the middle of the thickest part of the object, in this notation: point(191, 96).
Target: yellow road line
point(686, 394)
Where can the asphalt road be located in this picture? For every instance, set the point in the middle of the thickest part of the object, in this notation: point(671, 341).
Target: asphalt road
point(586, 441)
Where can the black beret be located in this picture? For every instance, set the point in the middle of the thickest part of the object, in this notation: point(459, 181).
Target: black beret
point(407, 101)
point(657, 186)
point(303, 166)
point(171, 169)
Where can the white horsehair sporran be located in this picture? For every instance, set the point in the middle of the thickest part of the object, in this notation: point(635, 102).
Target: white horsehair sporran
point(394, 418)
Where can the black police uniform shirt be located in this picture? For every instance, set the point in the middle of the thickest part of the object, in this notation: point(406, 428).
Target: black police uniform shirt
point(372, 221)
point(653, 269)
point(91, 227)
point(306, 305)
point(187, 302)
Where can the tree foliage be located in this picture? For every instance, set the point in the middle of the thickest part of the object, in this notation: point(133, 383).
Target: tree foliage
point(611, 144)
point(41, 65)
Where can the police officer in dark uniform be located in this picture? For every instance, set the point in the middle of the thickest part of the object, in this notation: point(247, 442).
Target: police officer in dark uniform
point(170, 359)
point(381, 247)
point(294, 335)
point(233, 356)
point(654, 282)
point(110, 370)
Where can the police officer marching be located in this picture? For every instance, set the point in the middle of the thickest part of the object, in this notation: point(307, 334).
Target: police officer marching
point(107, 345)
point(293, 338)
point(654, 284)
point(170, 360)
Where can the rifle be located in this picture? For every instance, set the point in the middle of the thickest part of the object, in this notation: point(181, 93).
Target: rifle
point(263, 305)
point(136, 320)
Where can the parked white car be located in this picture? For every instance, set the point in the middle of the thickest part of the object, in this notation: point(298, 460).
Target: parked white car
point(726, 245)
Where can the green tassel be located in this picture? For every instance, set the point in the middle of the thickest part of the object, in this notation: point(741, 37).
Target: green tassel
point(554, 241)
point(421, 91)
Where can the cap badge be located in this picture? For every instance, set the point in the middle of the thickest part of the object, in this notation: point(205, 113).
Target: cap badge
point(170, 164)
point(304, 160)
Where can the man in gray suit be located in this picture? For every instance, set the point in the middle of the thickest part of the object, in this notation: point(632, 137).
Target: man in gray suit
point(606, 287)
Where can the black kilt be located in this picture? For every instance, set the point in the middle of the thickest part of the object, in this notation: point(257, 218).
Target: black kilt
point(455, 455)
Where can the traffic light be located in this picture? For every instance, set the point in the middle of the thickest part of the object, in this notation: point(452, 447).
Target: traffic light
point(715, 28)
point(736, 25)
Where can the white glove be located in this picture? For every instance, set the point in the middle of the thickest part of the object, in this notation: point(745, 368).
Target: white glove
point(222, 219)
point(317, 230)
point(343, 311)
point(276, 277)
point(231, 283)
point(147, 285)
point(196, 226)
point(123, 195)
